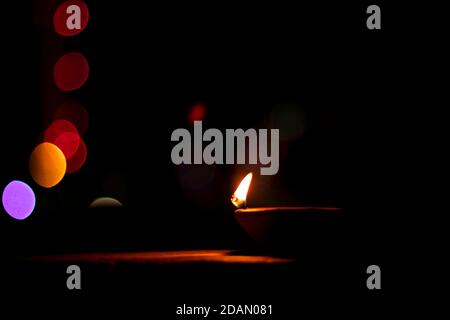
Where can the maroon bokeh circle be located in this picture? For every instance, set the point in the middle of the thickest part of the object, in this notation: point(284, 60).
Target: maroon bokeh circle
point(71, 71)
point(75, 113)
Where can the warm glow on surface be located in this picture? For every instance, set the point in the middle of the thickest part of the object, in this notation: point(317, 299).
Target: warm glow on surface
point(240, 195)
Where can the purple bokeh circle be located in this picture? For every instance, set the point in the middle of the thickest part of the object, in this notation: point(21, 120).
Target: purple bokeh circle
point(18, 200)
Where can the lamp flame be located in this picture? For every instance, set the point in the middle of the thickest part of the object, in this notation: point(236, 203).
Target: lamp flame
point(239, 197)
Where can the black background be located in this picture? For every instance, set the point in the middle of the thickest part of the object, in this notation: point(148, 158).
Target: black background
point(149, 63)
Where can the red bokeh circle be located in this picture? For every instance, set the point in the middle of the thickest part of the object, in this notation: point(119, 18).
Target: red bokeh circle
point(197, 112)
point(65, 136)
point(78, 159)
point(71, 71)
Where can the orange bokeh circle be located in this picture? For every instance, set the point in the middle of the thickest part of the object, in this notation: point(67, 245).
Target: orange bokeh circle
point(47, 165)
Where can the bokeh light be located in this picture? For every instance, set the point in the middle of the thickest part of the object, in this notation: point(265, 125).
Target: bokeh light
point(18, 200)
point(64, 135)
point(47, 165)
point(290, 119)
point(197, 112)
point(105, 202)
point(78, 159)
point(199, 184)
point(62, 18)
point(71, 71)
point(75, 113)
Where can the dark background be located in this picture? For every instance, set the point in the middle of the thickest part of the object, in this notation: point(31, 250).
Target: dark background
point(149, 64)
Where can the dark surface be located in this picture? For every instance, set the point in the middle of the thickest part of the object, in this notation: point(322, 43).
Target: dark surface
point(156, 283)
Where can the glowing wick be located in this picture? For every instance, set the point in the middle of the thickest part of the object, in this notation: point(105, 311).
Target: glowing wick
point(239, 197)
